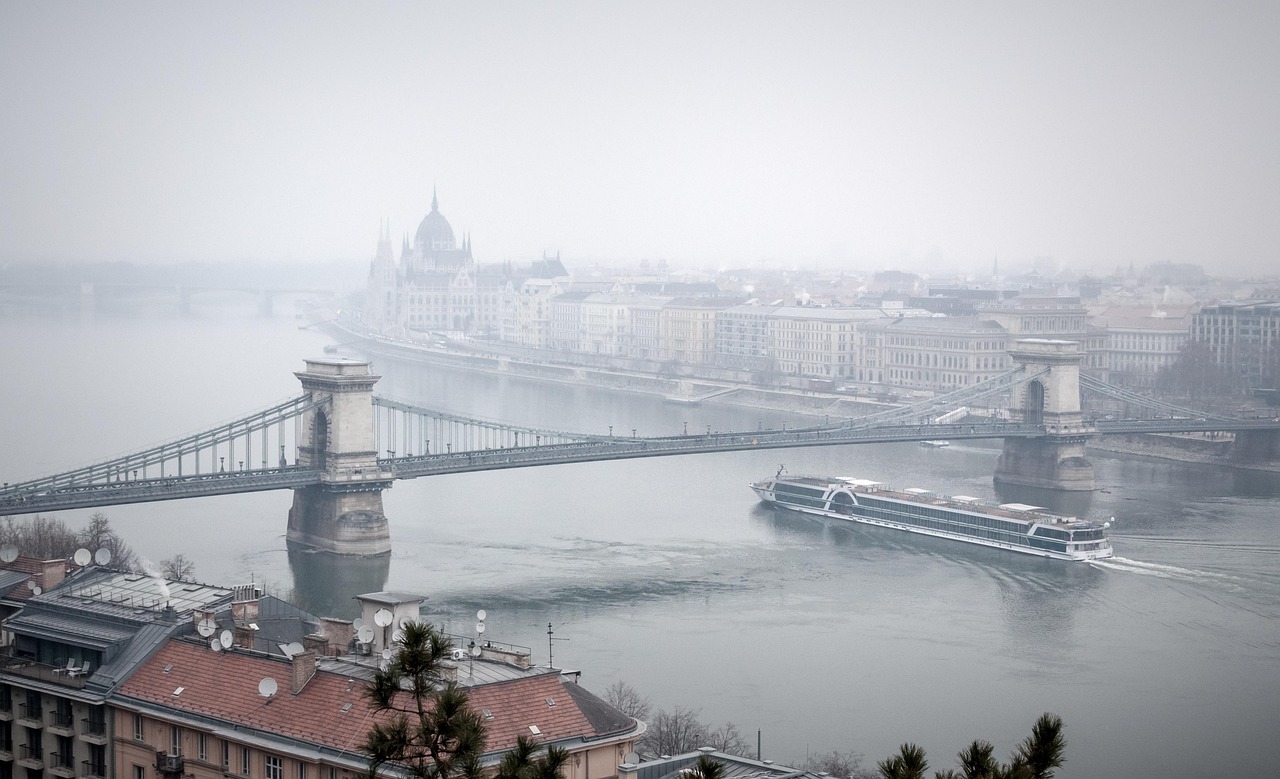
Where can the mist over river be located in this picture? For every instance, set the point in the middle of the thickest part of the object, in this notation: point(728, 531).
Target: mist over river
point(668, 574)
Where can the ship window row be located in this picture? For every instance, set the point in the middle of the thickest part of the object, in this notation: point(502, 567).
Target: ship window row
point(1011, 526)
point(794, 489)
point(951, 526)
point(1053, 532)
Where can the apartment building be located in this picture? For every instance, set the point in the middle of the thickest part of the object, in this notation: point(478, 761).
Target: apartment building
point(1243, 335)
point(1130, 345)
point(934, 353)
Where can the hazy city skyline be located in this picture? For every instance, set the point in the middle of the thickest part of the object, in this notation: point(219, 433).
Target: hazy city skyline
point(923, 135)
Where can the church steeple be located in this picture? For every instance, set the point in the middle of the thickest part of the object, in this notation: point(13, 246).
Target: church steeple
point(435, 206)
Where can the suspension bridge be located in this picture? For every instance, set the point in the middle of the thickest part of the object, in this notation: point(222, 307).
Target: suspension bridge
point(338, 445)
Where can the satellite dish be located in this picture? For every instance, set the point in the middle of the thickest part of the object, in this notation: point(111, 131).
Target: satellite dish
point(226, 639)
point(631, 757)
point(365, 634)
point(267, 687)
point(382, 618)
point(1106, 525)
point(9, 553)
point(294, 648)
point(405, 622)
point(31, 584)
point(215, 645)
point(206, 627)
point(82, 557)
point(480, 615)
point(383, 665)
point(386, 654)
point(102, 556)
point(36, 590)
point(398, 635)
point(475, 651)
point(357, 623)
point(479, 627)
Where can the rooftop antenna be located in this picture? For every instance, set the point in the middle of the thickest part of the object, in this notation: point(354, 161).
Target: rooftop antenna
point(207, 627)
point(82, 557)
point(550, 639)
point(102, 556)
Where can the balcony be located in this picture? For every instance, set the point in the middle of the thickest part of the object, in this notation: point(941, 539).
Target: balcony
point(63, 724)
point(62, 765)
point(32, 758)
point(170, 765)
point(30, 716)
point(23, 666)
point(93, 730)
point(92, 770)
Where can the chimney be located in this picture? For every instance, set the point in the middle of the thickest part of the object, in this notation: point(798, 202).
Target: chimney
point(199, 615)
point(304, 667)
point(52, 572)
point(317, 644)
point(337, 634)
point(244, 603)
point(244, 636)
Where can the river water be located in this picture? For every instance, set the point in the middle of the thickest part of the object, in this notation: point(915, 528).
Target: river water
point(668, 574)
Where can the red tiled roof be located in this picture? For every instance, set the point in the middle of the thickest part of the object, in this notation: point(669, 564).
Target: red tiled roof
point(224, 685)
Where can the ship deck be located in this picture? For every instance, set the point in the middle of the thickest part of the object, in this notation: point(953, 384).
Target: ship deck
point(923, 497)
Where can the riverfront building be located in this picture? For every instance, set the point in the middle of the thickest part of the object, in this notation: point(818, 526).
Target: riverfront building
point(1243, 335)
point(437, 285)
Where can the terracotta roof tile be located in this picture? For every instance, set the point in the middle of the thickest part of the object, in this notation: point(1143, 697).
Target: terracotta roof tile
point(224, 685)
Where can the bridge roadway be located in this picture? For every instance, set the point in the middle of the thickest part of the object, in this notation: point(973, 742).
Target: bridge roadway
point(27, 499)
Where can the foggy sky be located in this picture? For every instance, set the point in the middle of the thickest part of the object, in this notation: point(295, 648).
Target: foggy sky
point(836, 134)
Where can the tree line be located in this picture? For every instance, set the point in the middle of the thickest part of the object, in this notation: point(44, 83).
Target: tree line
point(49, 538)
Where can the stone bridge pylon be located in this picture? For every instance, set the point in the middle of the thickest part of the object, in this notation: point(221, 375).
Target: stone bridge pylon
point(1056, 460)
point(343, 513)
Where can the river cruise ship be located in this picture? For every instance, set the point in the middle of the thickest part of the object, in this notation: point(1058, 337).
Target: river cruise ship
point(1014, 526)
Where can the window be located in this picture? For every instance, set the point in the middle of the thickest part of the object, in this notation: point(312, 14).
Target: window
point(302, 771)
point(175, 740)
point(226, 756)
point(244, 761)
point(97, 765)
point(275, 767)
point(138, 731)
point(202, 747)
point(139, 772)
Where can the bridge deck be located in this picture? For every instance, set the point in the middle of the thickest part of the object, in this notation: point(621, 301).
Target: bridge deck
point(50, 495)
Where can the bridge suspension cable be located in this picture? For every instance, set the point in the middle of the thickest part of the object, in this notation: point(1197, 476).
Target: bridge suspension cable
point(946, 402)
point(1151, 404)
point(407, 429)
point(228, 446)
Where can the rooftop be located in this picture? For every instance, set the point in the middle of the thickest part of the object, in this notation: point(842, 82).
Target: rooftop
point(331, 709)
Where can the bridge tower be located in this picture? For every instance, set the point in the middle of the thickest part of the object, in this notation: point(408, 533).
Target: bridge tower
point(1055, 460)
point(343, 513)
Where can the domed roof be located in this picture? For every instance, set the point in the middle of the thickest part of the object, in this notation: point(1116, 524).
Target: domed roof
point(434, 232)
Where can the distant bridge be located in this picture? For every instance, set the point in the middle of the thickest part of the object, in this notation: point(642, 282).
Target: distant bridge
point(325, 445)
